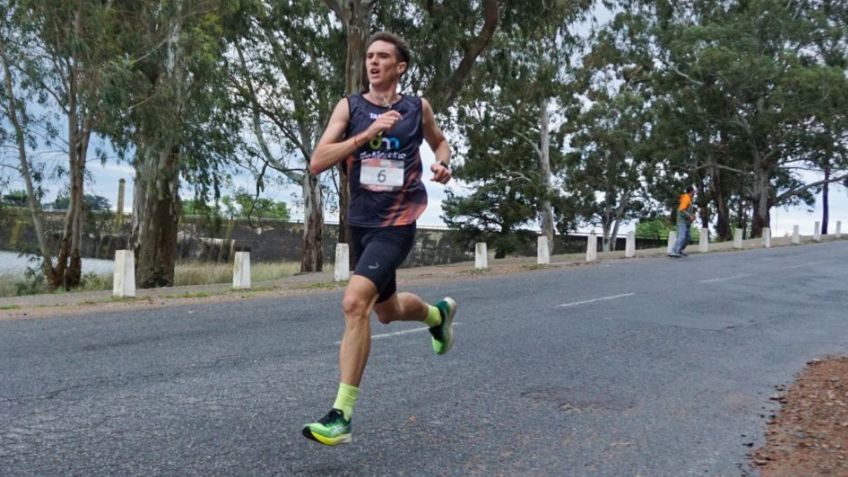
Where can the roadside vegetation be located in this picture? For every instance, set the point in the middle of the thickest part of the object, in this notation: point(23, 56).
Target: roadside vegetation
point(186, 274)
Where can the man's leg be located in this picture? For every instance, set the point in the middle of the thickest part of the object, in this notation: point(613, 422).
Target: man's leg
point(681, 237)
point(687, 239)
point(402, 307)
point(334, 428)
point(409, 307)
point(357, 303)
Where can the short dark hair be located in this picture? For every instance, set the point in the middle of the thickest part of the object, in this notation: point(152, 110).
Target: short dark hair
point(690, 190)
point(401, 47)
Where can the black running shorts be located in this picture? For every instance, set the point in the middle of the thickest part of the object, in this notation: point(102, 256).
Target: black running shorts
point(380, 252)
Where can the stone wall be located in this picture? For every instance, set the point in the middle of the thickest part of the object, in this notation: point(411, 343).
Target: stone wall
point(210, 240)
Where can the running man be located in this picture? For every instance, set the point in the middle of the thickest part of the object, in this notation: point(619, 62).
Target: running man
point(378, 135)
point(685, 217)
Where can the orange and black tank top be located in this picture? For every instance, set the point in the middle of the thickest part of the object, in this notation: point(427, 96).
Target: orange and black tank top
point(385, 174)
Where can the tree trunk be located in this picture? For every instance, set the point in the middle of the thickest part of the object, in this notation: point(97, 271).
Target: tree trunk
point(723, 231)
point(547, 212)
point(312, 257)
point(614, 234)
point(156, 204)
point(69, 261)
point(356, 18)
point(825, 199)
point(760, 217)
point(606, 226)
point(762, 193)
point(156, 217)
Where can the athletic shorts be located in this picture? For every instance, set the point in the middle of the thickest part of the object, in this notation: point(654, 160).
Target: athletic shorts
point(379, 253)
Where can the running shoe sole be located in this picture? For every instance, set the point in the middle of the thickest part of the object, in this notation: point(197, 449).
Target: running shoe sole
point(327, 441)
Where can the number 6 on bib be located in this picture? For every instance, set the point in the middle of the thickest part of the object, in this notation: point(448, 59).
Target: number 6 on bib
point(381, 175)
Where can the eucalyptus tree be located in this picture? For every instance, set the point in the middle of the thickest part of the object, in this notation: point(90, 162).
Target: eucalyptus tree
point(737, 72)
point(510, 109)
point(284, 76)
point(13, 106)
point(827, 141)
point(168, 106)
point(753, 53)
point(611, 160)
point(60, 52)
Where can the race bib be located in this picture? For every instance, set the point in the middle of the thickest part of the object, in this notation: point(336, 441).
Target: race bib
point(381, 175)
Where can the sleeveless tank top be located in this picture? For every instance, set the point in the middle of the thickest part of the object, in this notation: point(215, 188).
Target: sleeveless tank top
point(385, 174)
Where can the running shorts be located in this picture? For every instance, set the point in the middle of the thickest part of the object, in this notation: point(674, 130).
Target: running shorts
point(379, 253)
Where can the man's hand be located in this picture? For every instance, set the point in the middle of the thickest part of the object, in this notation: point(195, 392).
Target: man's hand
point(441, 174)
point(384, 122)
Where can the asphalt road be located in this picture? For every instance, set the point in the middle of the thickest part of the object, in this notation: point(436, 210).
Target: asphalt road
point(650, 367)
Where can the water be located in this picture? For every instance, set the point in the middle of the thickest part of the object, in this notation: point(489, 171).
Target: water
point(13, 265)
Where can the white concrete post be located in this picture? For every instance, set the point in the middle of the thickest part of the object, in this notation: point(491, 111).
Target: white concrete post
point(766, 237)
point(839, 229)
point(123, 281)
point(342, 269)
point(630, 247)
point(817, 232)
point(704, 241)
point(481, 256)
point(592, 247)
point(543, 252)
point(796, 236)
point(672, 239)
point(241, 271)
point(737, 239)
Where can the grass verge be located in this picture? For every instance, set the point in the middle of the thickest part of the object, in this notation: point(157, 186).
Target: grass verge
point(185, 274)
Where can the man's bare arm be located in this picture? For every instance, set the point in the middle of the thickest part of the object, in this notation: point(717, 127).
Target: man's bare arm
point(438, 143)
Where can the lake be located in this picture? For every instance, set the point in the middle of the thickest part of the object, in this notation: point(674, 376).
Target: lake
point(11, 264)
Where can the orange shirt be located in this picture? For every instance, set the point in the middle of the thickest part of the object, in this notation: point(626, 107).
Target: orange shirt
point(685, 202)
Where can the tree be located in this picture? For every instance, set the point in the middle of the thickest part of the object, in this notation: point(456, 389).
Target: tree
point(505, 114)
point(52, 50)
point(167, 104)
point(735, 73)
point(611, 161)
point(283, 76)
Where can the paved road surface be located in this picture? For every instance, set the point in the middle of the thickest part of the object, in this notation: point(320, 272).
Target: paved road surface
point(652, 367)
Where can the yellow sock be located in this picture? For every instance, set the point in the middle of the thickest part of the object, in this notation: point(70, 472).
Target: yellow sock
point(345, 399)
point(434, 317)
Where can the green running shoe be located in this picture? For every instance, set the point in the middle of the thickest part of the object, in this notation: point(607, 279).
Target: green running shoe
point(331, 430)
point(443, 334)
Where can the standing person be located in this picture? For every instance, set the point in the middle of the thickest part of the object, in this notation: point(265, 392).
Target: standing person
point(378, 134)
point(685, 217)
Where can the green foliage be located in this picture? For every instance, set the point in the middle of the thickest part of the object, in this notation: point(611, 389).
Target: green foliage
point(16, 198)
point(260, 207)
point(240, 205)
point(93, 203)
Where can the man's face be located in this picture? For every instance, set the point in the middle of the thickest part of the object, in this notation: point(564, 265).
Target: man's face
point(382, 64)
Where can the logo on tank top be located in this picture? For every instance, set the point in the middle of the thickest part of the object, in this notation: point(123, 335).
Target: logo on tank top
point(389, 143)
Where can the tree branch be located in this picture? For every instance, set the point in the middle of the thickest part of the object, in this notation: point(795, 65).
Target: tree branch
point(442, 95)
point(800, 189)
point(529, 141)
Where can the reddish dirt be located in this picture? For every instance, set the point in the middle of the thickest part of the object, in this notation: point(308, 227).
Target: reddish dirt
point(809, 436)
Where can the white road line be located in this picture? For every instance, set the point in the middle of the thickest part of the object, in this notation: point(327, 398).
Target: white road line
point(398, 333)
point(603, 298)
point(724, 279)
point(809, 264)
